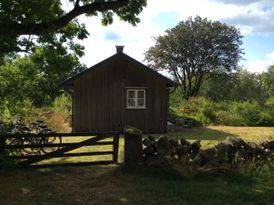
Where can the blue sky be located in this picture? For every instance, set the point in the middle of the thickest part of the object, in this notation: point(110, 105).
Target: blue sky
point(254, 18)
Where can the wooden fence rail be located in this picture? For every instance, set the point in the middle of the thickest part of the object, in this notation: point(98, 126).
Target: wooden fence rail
point(31, 159)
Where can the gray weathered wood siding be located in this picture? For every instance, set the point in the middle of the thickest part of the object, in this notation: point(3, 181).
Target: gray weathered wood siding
point(100, 100)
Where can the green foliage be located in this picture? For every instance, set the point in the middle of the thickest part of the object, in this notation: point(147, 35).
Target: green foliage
point(202, 109)
point(233, 113)
point(217, 86)
point(175, 98)
point(48, 20)
point(267, 81)
point(228, 118)
point(239, 86)
point(62, 104)
point(247, 86)
point(244, 114)
point(238, 99)
point(34, 79)
point(12, 108)
point(195, 48)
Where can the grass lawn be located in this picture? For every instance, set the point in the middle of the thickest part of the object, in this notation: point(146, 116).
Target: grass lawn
point(211, 135)
point(111, 185)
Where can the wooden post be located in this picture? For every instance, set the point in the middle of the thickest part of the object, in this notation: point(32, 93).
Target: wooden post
point(133, 154)
point(2, 145)
point(115, 148)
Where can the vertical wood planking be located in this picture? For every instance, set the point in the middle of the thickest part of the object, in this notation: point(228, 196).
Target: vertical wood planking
point(100, 99)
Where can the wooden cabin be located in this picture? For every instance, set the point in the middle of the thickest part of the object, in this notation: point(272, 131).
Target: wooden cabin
point(119, 91)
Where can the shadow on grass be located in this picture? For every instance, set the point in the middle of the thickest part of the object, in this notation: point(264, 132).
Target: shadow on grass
point(154, 186)
point(202, 133)
point(113, 185)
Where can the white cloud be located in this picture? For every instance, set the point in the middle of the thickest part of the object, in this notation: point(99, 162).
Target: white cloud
point(239, 2)
point(261, 65)
point(138, 39)
point(255, 20)
point(252, 17)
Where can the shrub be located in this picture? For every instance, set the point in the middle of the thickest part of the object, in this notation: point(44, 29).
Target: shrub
point(13, 109)
point(202, 109)
point(270, 103)
point(62, 104)
point(266, 118)
point(230, 118)
point(233, 113)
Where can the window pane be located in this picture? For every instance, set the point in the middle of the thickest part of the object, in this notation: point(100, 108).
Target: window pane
point(131, 102)
point(141, 103)
point(141, 94)
point(131, 94)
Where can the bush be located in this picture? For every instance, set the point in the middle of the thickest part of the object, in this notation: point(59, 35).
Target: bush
point(266, 118)
point(200, 109)
point(62, 104)
point(230, 118)
point(233, 113)
point(14, 109)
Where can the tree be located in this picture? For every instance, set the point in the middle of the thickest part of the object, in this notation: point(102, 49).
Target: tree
point(247, 86)
point(24, 23)
point(40, 17)
point(195, 48)
point(35, 78)
point(268, 81)
point(238, 86)
point(217, 86)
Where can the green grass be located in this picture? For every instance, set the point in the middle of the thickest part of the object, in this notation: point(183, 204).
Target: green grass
point(112, 185)
point(211, 135)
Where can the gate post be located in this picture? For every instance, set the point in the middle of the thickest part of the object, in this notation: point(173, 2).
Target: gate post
point(115, 148)
point(133, 154)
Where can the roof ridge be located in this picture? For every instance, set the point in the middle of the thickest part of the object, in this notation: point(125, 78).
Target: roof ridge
point(109, 59)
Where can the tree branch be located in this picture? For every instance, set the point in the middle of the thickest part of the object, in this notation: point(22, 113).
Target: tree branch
point(77, 3)
point(16, 29)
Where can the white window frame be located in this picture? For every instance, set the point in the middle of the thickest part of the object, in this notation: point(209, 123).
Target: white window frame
point(136, 90)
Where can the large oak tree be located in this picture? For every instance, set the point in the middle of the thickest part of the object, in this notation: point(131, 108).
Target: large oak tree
point(195, 48)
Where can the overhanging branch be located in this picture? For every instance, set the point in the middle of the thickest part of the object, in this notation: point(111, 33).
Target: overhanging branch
point(16, 29)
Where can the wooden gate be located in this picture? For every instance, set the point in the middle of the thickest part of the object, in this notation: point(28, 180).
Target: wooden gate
point(27, 149)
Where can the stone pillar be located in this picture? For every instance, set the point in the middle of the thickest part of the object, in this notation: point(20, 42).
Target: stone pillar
point(133, 154)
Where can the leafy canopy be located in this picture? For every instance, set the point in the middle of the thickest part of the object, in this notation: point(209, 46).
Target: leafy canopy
point(25, 22)
point(268, 81)
point(195, 48)
point(34, 79)
point(241, 85)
